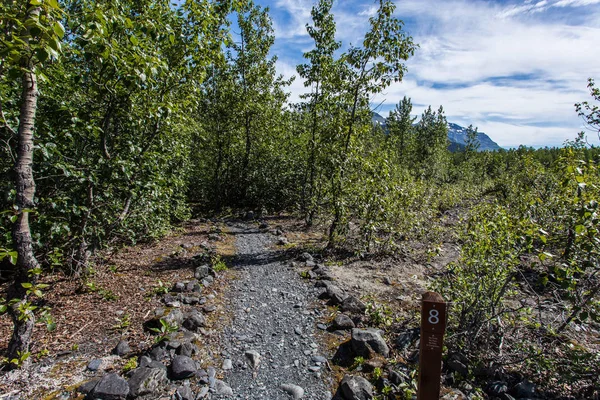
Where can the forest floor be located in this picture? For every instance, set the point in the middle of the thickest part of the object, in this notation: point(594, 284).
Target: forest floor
point(262, 303)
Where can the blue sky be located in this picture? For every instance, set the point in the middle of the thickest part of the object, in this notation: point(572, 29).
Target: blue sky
point(512, 68)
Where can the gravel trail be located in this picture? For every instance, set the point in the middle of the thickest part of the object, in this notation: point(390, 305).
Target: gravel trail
point(273, 317)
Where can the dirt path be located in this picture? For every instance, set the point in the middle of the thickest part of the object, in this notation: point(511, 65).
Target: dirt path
point(274, 317)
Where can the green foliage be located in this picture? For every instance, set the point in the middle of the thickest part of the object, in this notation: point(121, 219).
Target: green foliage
point(122, 323)
point(164, 330)
point(18, 361)
point(379, 314)
point(481, 281)
point(218, 265)
point(130, 365)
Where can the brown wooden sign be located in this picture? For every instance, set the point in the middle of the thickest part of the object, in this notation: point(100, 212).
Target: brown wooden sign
point(433, 327)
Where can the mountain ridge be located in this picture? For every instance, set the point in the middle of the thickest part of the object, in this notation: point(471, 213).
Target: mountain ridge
point(457, 135)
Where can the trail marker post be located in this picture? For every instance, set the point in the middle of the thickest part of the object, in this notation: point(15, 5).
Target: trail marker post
point(433, 327)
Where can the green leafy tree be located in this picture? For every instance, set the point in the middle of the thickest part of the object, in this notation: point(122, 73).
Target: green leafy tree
point(401, 131)
point(320, 74)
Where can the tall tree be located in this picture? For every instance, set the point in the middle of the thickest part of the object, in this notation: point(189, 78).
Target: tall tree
point(319, 73)
point(400, 126)
point(31, 37)
point(368, 69)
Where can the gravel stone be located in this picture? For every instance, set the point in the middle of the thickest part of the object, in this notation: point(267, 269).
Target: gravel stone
point(295, 391)
point(264, 321)
point(222, 389)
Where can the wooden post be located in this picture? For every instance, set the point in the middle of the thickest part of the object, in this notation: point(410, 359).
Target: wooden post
point(433, 327)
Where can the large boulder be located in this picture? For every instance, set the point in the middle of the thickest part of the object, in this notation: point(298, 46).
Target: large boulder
point(356, 388)
point(368, 342)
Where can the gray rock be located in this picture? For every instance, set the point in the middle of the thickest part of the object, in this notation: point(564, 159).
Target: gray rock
point(157, 353)
point(322, 326)
point(94, 365)
point(295, 391)
point(190, 300)
point(174, 317)
point(356, 388)
point(214, 237)
point(209, 309)
point(147, 362)
point(184, 393)
point(353, 305)
point(88, 387)
point(111, 387)
point(318, 359)
point(254, 358)
point(305, 257)
point(282, 241)
point(194, 321)
point(202, 271)
point(187, 349)
point(208, 281)
point(222, 389)
point(336, 294)
point(202, 393)
point(179, 287)
point(146, 381)
point(122, 348)
point(523, 389)
point(182, 367)
point(227, 365)
point(343, 322)
point(366, 342)
point(193, 286)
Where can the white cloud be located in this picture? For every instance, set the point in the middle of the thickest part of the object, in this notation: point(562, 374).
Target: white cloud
point(517, 69)
point(575, 3)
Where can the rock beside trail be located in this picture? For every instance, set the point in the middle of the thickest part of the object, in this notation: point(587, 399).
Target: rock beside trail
point(356, 388)
point(194, 321)
point(147, 381)
point(222, 389)
point(187, 349)
point(182, 367)
point(343, 322)
point(335, 294)
point(368, 342)
point(353, 305)
point(110, 387)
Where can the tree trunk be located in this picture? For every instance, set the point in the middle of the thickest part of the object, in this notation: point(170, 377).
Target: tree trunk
point(25, 185)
